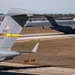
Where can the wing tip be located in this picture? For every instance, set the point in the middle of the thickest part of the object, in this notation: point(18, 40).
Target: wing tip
point(35, 48)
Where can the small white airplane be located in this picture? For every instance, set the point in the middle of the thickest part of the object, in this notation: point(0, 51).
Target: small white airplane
point(10, 28)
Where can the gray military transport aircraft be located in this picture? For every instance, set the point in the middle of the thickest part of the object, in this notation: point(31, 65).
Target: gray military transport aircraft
point(10, 28)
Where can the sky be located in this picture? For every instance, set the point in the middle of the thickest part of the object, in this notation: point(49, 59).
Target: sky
point(40, 6)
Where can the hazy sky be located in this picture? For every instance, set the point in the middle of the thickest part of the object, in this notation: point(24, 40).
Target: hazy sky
point(40, 6)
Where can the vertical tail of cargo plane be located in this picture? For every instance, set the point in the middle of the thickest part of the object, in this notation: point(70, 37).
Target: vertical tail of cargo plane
point(11, 26)
point(51, 20)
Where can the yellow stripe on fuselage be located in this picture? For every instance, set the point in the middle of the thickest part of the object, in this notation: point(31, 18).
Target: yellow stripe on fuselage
point(11, 35)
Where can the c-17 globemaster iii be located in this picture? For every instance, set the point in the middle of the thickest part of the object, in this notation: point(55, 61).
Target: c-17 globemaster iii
point(65, 29)
point(10, 28)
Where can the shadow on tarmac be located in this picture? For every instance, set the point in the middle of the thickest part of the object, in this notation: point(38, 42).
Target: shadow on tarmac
point(10, 73)
point(7, 68)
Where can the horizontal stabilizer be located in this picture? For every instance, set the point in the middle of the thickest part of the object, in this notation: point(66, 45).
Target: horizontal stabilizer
point(16, 11)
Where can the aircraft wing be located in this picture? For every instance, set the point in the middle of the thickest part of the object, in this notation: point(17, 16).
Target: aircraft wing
point(29, 51)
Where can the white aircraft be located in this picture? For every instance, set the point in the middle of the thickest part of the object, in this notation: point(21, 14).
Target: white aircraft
point(10, 28)
point(47, 23)
point(37, 23)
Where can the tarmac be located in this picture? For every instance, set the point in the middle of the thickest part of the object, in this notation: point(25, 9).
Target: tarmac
point(7, 68)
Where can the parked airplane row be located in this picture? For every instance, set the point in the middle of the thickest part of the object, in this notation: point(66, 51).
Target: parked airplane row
point(67, 27)
point(46, 22)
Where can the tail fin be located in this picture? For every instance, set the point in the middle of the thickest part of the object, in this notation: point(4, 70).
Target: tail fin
point(51, 20)
point(11, 27)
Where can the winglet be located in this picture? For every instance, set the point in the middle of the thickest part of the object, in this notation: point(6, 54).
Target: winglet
point(35, 48)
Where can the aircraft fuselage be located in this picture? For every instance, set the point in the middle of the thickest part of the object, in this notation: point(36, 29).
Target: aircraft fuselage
point(8, 54)
point(65, 29)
